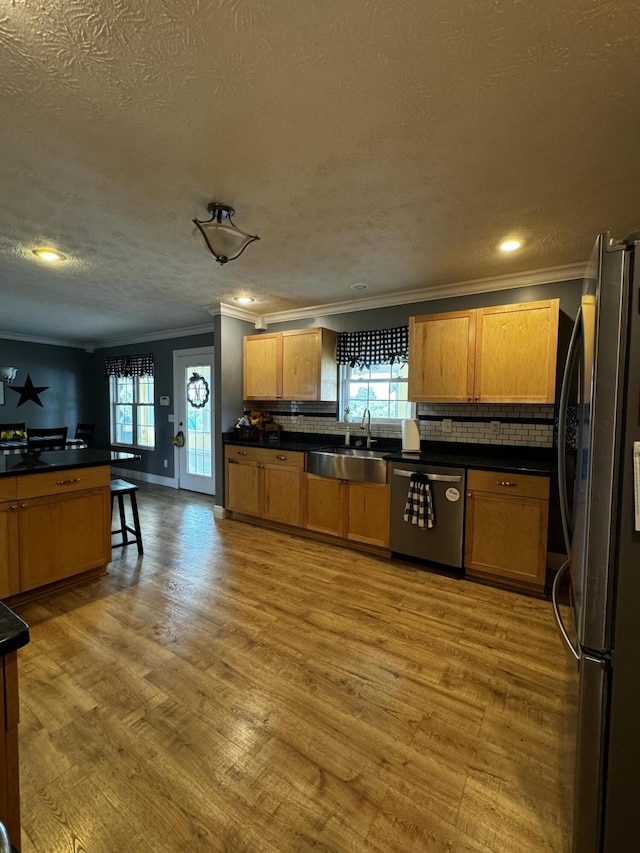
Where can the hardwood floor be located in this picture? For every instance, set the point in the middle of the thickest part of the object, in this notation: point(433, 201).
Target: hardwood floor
point(239, 689)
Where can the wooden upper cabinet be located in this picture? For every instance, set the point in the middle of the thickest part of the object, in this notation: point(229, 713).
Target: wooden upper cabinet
point(441, 357)
point(502, 354)
point(293, 365)
point(516, 350)
point(263, 367)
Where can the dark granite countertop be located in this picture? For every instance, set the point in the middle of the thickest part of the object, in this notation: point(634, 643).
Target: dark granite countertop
point(16, 464)
point(14, 633)
point(513, 459)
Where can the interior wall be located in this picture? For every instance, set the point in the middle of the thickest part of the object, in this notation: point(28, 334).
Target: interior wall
point(152, 461)
point(67, 372)
point(229, 378)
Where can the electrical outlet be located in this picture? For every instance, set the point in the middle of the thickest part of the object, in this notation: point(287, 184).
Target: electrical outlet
point(166, 463)
point(447, 424)
point(495, 427)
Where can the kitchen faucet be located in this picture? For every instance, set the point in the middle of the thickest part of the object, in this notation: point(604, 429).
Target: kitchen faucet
point(366, 417)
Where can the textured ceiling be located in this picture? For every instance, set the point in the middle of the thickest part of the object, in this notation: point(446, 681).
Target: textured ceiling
point(392, 142)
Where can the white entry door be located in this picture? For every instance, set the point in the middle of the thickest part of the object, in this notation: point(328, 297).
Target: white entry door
point(193, 373)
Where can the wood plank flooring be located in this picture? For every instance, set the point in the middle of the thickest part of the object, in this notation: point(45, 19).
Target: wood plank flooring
point(240, 689)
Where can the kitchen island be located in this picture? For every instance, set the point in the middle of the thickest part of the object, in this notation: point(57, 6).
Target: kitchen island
point(14, 634)
point(55, 519)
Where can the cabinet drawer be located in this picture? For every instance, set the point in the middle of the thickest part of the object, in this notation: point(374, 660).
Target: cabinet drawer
point(266, 456)
point(516, 485)
point(8, 490)
point(58, 482)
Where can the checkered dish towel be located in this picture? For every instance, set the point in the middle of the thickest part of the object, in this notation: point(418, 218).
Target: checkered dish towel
point(419, 506)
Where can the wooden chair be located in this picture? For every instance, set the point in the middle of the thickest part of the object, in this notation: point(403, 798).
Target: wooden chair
point(120, 488)
point(85, 432)
point(47, 438)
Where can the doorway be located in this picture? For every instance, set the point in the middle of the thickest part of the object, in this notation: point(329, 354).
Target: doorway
point(193, 373)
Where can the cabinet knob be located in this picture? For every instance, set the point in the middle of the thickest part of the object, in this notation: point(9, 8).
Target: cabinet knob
point(260, 466)
point(505, 483)
point(24, 506)
point(14, 506)
point(282, 458)
point(477, 397)
point(242, 452)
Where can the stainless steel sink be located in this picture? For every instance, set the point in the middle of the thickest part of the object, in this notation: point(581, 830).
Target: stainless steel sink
point(348, 463)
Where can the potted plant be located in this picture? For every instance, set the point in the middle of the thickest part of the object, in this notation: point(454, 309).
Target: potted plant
point(347, 415)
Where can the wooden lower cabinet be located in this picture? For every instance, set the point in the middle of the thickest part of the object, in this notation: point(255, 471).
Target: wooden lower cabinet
point(63, 535)
point(506, 528)
point(351, 510)
point(9, 567)
point(325, 505)
point(57, 526)
point(265, 483)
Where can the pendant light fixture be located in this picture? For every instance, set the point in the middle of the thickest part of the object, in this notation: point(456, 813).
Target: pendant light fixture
point(225, 241)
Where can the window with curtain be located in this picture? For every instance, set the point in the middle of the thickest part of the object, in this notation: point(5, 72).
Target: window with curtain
point(131, 398)
point(373, 373)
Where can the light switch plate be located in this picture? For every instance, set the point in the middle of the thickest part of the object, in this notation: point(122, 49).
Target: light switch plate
point(447, 424)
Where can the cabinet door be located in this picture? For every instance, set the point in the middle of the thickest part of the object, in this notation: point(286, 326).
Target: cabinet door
point(506, 538)
point(301, 364)
point(9, 556)
point(63, 535)
point(243, 487)
point(263, 367)
point(283, 495)
point(516, 349)
point(309, 370)
point(325, 505)
point(441, 357)
point(368, 513)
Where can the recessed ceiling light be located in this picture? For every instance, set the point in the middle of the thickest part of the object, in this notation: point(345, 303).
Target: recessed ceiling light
point(243, 300)
point(359, 285)
point(48, 255)
point(510, 245)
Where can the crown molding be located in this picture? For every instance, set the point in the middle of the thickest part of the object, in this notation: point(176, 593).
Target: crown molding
point(157, 336)
point(54, 342)
point(225, 310)
point(550, 275)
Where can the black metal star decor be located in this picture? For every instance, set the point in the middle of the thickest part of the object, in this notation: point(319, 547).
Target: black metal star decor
point(28, 391)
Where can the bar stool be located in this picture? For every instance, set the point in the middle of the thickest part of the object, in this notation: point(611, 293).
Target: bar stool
point(120, 488)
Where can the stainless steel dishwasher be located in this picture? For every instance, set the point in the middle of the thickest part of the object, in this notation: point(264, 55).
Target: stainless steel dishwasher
point(443, 542)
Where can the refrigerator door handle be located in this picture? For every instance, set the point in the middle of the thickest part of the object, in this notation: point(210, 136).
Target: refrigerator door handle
point(562, 430)
point(556, 609)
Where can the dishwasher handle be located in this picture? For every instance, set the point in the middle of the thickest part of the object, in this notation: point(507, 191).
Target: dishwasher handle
point(443, 478)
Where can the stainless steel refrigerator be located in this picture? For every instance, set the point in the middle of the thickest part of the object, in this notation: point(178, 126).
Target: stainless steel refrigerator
point(599, 478)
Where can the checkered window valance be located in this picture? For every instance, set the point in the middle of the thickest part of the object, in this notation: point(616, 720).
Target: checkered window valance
point(378, 346)
point(129, 365)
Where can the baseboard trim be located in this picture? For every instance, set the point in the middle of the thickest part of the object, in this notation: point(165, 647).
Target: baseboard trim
point(144, 477)
point(555, 561)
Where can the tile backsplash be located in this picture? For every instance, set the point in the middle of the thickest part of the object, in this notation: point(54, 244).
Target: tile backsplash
point(522, 424)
